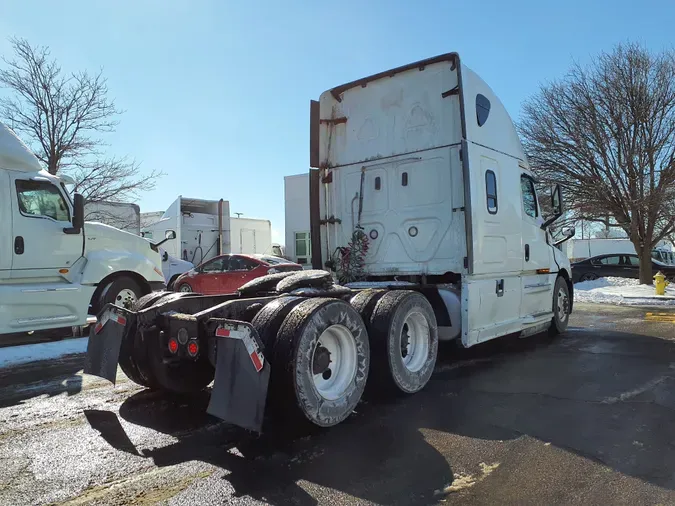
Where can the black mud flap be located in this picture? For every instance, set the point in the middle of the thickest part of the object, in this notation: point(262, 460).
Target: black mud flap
point(242, 375)
point(105, 340)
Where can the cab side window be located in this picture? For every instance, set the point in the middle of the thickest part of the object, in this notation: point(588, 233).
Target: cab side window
point(491, 191)
point(529, 196)
point(41, 199)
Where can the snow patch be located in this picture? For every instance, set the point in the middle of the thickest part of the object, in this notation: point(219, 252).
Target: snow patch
point(622, 291)
point(17, 355)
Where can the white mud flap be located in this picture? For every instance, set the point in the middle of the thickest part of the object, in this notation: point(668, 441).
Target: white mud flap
point(105, 340)
point(242, 375)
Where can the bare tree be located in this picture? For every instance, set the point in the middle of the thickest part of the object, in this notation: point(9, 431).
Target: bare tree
point(63, 117)
point(606, 132)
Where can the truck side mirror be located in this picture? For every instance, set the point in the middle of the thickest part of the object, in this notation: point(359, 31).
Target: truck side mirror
point(568, 233)
point(556, 204)
point(168, 235)
point(78, 215)
point(556, 200)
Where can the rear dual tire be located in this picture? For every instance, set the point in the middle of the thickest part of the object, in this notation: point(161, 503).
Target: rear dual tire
point(404, 340)
point(133, 357)
point(320, 358)
point(322, 352)
point(142, 357)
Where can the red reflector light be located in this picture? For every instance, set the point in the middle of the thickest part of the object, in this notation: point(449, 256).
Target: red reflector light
point(193, 348)
point(173, 345)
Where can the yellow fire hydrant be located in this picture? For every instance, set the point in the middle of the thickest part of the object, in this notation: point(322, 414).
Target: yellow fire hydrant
point(660, 283)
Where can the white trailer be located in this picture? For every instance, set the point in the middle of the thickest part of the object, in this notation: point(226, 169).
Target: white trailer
point(422, 191)
point(121, 215)
point(202, 229)
point(251, 236)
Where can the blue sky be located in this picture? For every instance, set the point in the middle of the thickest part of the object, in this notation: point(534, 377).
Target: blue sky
point(217, 93)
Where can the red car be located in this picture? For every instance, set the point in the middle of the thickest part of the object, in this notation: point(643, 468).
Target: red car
point(226, 273)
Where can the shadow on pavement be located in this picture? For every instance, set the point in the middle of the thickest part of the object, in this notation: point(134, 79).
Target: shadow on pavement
point(608, 397)
point(49, 377)
point(359, 457)
point(108, 425)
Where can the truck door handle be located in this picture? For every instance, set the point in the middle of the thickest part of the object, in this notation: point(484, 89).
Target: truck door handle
point(18, 245)
point(527, 252)
point(500, 287)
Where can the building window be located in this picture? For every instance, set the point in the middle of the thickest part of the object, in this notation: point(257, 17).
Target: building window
point(303, 248)
point(491, 191)
point(529, 196)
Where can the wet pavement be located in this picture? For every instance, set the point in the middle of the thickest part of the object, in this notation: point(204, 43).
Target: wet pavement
point(587, 418)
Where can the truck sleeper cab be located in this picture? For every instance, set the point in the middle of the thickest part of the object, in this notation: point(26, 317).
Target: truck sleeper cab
point(422, 165)
point(425, 160)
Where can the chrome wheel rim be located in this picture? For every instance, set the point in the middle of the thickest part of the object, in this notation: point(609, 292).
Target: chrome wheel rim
point(126, 298)
point(334, 362)
point(562, 305)
point(415, 337)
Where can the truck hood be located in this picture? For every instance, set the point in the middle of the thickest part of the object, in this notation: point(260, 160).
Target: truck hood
point(100, 236)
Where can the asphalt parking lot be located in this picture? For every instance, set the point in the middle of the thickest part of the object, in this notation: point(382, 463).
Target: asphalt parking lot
point(582, 419)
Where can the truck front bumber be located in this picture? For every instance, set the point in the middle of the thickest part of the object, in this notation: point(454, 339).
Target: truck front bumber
point(242, 373)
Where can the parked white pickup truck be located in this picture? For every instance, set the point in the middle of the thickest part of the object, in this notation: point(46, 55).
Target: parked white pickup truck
point(55, 269)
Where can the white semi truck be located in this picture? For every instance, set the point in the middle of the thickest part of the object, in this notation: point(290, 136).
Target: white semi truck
point(422, 191)
point(55, 268)
point(204, 229)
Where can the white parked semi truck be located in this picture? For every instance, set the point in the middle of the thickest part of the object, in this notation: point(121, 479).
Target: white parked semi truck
point(55, 268)
point(422, 192)
point(204, 230)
